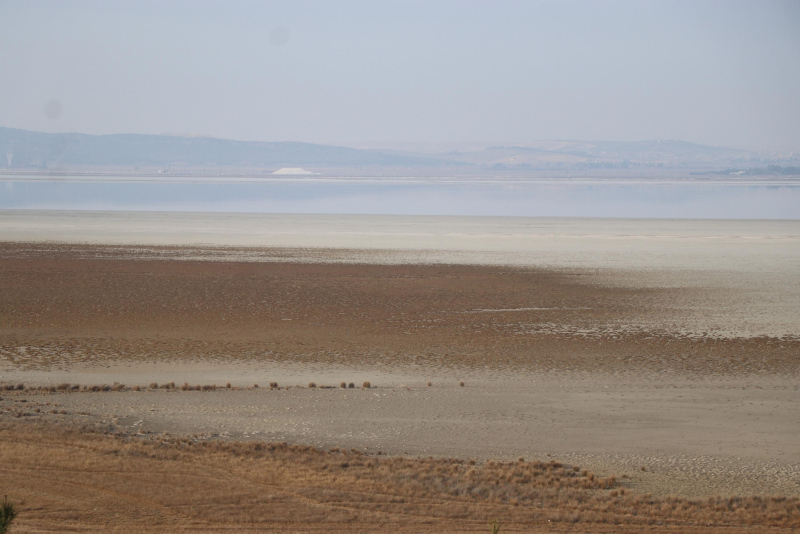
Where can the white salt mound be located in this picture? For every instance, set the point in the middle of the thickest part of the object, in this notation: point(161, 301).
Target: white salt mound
point(293, 170)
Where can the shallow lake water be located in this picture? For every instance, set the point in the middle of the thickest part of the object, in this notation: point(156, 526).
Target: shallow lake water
point(626, 199)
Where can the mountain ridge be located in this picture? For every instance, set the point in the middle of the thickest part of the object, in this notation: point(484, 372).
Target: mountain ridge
point(31, 149)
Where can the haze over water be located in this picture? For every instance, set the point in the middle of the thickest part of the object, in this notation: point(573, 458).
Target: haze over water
point(626, 199)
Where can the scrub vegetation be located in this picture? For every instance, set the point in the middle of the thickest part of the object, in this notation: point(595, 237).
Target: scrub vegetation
point(81, 477)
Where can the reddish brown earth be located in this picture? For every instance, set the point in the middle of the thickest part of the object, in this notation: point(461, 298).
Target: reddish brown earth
point(559, 363)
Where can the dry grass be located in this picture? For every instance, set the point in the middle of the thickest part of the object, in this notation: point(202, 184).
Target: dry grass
point(366, 385)
point(117, 387)
point(83, 479)
point(7, 514)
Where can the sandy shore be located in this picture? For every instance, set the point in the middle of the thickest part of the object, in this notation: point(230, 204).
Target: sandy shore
point(612, 369)
point(694, 438)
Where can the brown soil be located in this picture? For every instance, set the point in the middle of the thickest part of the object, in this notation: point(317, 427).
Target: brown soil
point(67, 305)
point(64, 479)
point(556, 361)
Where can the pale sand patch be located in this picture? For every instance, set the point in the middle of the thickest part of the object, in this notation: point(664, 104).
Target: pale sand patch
point(695, 433)
point(694, 437)
point(753, 266)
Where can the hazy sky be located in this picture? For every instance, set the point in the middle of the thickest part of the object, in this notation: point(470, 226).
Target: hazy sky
point(373, 72)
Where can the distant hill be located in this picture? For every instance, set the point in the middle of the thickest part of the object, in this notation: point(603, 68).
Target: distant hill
point(606, 155)
point(37, 149)
point(27, 149)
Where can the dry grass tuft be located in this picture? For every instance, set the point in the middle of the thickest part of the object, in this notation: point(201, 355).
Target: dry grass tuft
point(261, 486)
point(273, 385)
point(343, 385)
point(461, 384)
point(430, 383)
point(7, 514)
point(351, 386)
point(366, 385)
point(312, 385)
point(153, 385)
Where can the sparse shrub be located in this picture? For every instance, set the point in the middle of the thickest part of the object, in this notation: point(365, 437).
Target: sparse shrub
point(255, 386)
point(343, 385)
point(185, 386)
point(366, 385)
point(495, 524)
point(228, 385)
point(20, 387)
point(7, 515)
point(430, 383)
point(273, 385)
point(136, 388)
point(64, 386)
point(461, 383)
point(153, 385)
point(351, 386)
point(312, 385)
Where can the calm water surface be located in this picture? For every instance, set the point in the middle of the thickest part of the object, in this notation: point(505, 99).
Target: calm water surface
point(682, 200)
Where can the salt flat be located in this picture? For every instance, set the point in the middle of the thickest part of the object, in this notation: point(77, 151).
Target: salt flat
point(672, 345)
